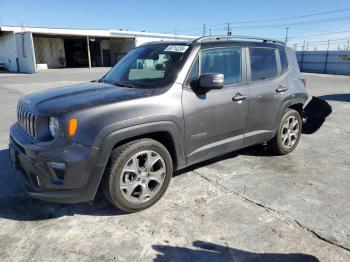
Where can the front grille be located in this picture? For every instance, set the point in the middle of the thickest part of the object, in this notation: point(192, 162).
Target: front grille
point(27, 121)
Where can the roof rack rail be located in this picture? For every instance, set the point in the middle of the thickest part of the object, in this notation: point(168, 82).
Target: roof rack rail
point(221, 37)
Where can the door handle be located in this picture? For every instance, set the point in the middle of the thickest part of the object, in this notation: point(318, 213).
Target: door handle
point(281, 89)
point(239, 97)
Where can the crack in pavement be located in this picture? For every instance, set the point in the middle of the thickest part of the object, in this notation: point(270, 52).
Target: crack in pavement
point(269, 209)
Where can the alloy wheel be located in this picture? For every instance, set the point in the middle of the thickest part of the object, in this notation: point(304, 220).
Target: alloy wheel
point(142, 176)
point(290, 132)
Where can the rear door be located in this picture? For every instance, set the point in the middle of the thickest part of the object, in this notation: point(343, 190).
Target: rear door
point(214, 121)
point(267, 91)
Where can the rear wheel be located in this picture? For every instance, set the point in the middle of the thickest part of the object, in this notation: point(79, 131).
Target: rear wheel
point(288, 133)
point(137, 175)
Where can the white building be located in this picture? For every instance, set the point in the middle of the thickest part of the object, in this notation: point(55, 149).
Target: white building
point(29, 49)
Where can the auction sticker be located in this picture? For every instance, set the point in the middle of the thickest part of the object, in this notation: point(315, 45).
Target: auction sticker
point(176, 48)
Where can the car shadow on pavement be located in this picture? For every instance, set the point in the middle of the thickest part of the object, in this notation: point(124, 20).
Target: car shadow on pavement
point(257, 150)
point(336, 97)
point(212, 252)
point(15, 204)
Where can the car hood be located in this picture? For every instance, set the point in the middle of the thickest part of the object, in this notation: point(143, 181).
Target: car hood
point(70, 98)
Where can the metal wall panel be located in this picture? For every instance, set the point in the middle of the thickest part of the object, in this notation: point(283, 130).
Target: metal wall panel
point(326, 62)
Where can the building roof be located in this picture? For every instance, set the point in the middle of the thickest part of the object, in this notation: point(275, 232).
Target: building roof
point(91, 32)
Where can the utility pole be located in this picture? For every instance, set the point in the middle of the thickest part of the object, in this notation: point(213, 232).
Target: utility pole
point(307, 46)
point(210, 34)
point(302, 58)
point(287, 29)
point(228, 29)
point(204, 29)
point(175, 34)
point(326, 61)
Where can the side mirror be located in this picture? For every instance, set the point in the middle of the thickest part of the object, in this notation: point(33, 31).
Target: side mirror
point(160, 67)
point(211, 81)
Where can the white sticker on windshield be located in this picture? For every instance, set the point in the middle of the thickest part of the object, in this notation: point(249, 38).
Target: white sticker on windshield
point(176, 48)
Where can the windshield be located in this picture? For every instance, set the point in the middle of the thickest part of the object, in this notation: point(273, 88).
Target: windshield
point(148, 66)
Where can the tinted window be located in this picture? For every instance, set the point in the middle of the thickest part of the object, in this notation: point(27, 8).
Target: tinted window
point(284, 60)
point(262, 63)
point(223, 60)
point(148, 66)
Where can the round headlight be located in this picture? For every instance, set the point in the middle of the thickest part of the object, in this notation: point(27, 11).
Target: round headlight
point(53, 126)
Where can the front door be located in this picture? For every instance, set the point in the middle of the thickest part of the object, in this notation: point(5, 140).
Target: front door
point(215, 121)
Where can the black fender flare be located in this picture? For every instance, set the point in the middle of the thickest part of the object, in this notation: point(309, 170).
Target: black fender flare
point(287, 104)
point(118, 136)
point(114, 137)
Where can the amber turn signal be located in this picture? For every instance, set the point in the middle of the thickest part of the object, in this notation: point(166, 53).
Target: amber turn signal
point(72, 126)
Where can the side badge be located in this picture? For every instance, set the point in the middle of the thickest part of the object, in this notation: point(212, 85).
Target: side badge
point(199, 135)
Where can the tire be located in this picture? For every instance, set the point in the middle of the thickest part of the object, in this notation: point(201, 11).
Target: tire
point(137, 175)
point(287, 136)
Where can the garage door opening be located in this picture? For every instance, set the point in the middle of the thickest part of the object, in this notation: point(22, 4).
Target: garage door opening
point(76, 52)
point(73, 51)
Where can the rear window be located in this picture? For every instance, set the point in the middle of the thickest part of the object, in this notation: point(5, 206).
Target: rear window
point(263, 63)
point(284, 60)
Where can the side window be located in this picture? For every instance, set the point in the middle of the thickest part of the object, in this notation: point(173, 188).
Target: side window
point(284, 60)
point(227, 61)
point(194, 74)
point(263, 63)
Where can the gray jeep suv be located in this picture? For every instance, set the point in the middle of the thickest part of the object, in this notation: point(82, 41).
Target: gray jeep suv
point(163, 107)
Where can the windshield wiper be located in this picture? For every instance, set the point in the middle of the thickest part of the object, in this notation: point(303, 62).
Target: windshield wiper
point(123, 84)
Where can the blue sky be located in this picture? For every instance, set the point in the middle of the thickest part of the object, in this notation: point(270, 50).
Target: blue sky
point(182, 16)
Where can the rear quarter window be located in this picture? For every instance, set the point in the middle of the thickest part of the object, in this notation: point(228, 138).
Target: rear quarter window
point(263, 64)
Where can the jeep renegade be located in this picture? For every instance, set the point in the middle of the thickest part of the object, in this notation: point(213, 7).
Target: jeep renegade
point(163, 107)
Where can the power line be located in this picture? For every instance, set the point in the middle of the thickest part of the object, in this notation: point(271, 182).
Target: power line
point(322, 34)
point(330, 42)
point(287, 18)
point(333, 40)
point(191, 29)
point(325, 41)
point(277, 19)
point(283, 25)
point(297, 23)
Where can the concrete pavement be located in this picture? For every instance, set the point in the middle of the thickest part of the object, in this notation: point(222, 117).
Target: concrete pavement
point(244, 206)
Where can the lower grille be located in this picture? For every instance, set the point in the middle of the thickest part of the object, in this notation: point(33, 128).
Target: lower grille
point(27, 121)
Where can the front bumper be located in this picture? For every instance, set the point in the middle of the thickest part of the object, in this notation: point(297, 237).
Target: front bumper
point(61, 172)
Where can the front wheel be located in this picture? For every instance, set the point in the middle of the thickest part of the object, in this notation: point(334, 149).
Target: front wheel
point(288, 133)
point(137, 175)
